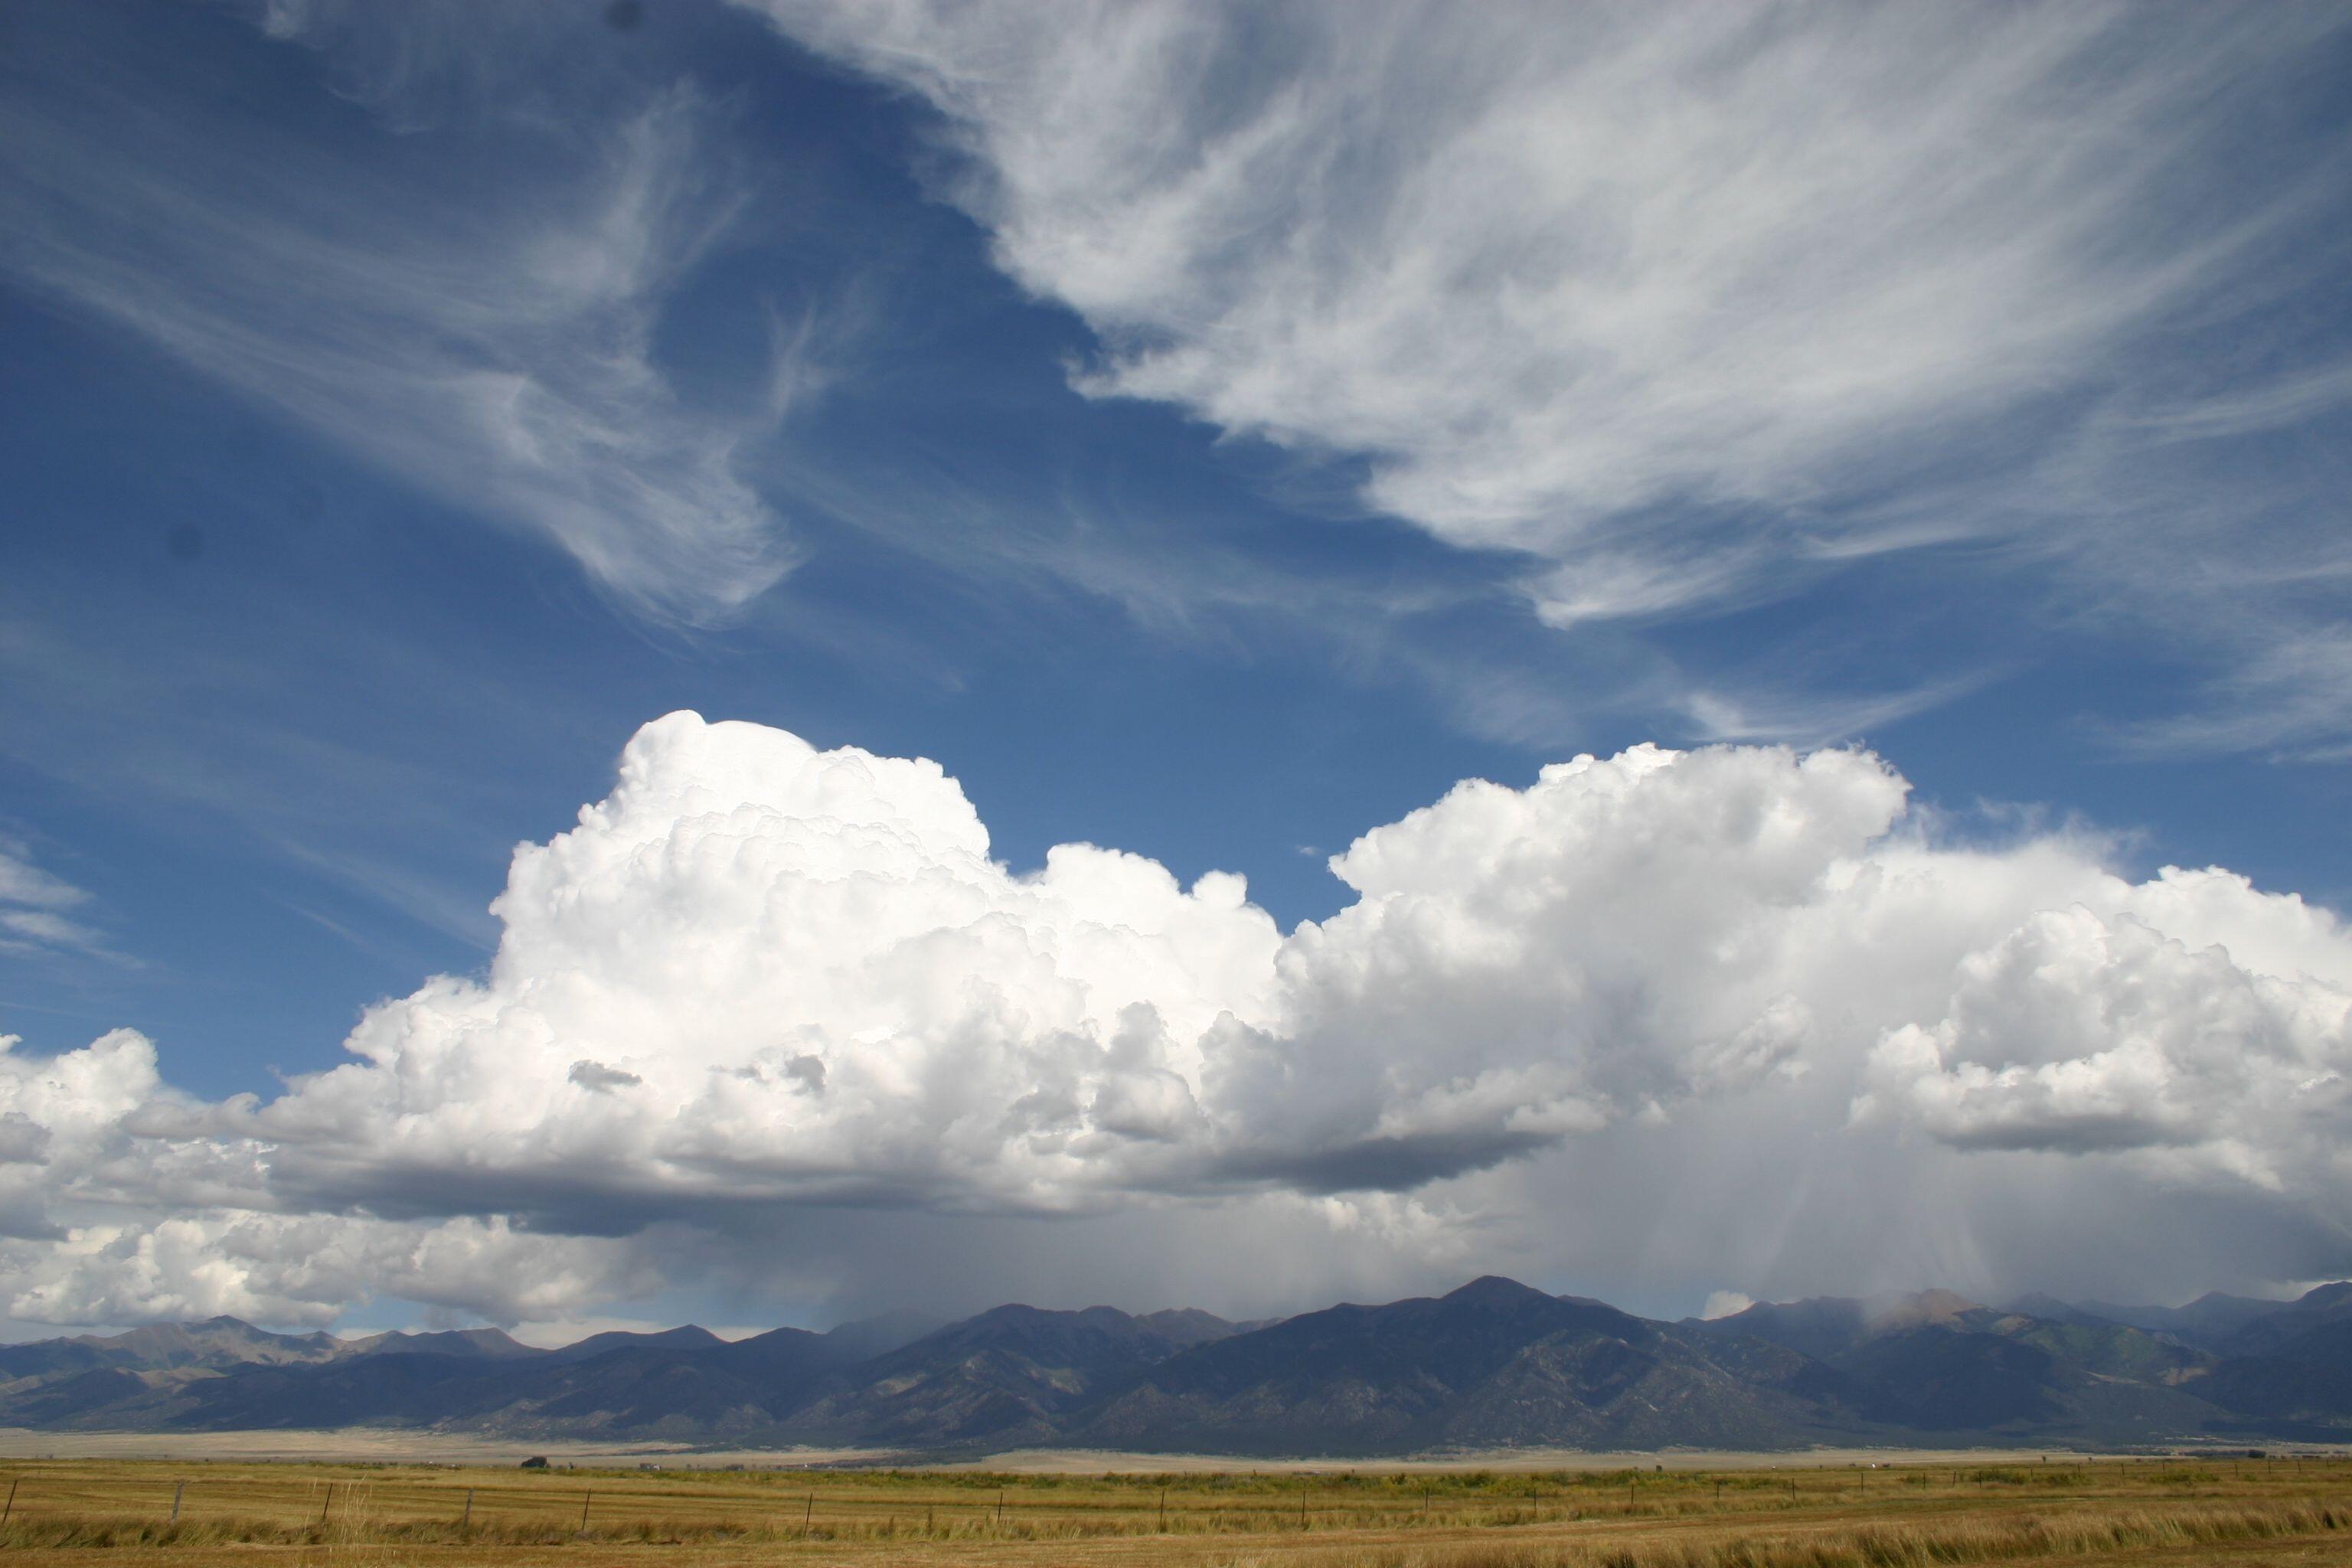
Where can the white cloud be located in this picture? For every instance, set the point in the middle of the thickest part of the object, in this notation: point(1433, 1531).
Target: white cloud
point(795, 976)
point(1589, 1028)
point(2078, 1033)
point(24, 883)
point(2291, 694)
point(1550, 267)
point(493, 351)
point(285, 1269)
point(1693, 304)
point(120, 1202)
point(30, 902)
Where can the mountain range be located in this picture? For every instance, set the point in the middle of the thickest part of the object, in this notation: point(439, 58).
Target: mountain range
point(1494, 1364)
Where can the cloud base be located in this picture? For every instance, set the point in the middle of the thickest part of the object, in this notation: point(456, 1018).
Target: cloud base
point(1733, 1019)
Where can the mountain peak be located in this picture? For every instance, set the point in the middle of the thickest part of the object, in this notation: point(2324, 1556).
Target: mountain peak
point(2223, 1298)
point(1493, 1362)
point(1493, 1290)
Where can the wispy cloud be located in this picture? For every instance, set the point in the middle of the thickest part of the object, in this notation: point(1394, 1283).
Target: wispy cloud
point(32, 906)
point(493, 352)
point(219, 734)
point(1811, 718)
point(24, 883)
point(1691, 306)
point(2292, 698)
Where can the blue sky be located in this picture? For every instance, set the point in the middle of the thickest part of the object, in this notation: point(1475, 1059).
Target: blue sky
point(1201, 432)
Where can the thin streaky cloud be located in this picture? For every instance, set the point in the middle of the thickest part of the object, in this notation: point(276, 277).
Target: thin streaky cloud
point(1606, 259)
point(501, 364)
point(25, 883)
point(1815, 718)
point(31, 903)
point(2292, 700)
point(1691, 305)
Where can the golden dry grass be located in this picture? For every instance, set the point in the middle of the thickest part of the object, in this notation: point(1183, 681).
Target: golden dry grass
point(2283, 1510)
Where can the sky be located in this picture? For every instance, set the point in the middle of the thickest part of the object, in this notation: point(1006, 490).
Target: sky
point(758, 661)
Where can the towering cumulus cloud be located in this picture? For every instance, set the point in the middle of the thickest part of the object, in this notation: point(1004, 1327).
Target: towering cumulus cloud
point(1685, 1020)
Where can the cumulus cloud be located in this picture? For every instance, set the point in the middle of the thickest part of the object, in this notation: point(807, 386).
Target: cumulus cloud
point(1580, 1028)
point(2078, 1033)
point(121, 1201)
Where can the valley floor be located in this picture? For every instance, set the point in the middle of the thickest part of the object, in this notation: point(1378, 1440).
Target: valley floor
point(185, 1514)
point(381, 1444)
point(389, 1445)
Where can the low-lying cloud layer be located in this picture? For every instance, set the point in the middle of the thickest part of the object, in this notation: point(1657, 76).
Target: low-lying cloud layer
point(1665, 1022)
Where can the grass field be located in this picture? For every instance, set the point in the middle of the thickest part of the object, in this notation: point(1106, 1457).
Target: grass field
point(2287, 1510)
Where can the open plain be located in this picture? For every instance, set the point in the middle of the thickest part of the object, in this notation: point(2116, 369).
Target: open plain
point(2280, 1509)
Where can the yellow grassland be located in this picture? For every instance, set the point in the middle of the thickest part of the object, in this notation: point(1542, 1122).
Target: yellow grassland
point(2287, 1510)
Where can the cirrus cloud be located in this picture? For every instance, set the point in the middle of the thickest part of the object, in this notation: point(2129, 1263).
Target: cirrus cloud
point(496, 354)
point(1550, 269)
point(1688, 307)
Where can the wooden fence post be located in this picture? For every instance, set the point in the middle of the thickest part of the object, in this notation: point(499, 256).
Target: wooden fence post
point(329, 1503)
point(465, 1521)
point(809, 1513)
point(585, 1499)
point(15, 1481)
point(177, 1492)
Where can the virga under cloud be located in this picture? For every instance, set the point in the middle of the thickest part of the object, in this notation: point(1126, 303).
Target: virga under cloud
point(763, 980)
